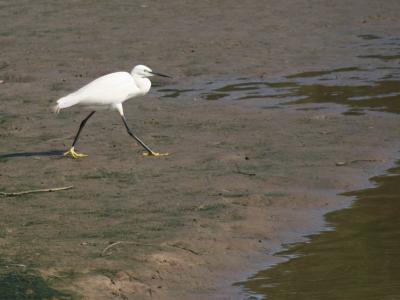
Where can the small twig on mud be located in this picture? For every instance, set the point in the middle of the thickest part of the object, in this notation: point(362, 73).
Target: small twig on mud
point(184, 248)
point(243, 173)
point(109, 247)
point(123, 242)
point(15, 194)
point(104, 252)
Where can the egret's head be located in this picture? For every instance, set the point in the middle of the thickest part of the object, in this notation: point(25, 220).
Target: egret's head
point(144, 72)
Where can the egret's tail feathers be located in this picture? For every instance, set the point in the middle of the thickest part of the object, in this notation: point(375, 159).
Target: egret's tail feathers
point(56, 109)
point(65, 102)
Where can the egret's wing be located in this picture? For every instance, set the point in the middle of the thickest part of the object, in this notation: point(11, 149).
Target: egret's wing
point(108, 89)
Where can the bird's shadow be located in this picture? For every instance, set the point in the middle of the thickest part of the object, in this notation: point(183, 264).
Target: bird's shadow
point(30, 154)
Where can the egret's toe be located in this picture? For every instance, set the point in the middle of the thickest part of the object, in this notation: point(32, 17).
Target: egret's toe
point(71, 152)
point(152, 153)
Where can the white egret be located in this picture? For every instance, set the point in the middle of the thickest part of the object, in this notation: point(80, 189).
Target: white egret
point(109, 92)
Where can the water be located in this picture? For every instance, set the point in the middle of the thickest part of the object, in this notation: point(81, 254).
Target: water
point(356, 88)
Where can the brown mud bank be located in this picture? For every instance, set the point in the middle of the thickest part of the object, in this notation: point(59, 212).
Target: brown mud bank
point(241, 179)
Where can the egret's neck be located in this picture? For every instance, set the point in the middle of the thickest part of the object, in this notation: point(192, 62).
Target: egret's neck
point(144, 84)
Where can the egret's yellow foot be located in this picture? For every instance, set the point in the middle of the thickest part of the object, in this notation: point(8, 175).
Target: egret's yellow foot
point(152, 153)
point(71, 152)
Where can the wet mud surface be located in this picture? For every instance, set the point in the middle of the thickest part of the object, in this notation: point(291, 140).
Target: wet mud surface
point(255, 125)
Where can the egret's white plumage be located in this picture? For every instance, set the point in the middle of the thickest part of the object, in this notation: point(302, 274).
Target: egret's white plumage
point(109, 92)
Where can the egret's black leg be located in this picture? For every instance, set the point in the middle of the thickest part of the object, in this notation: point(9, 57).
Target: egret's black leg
point(149, 151)
point(83, 123)
point(134, 136)
point(71, 151)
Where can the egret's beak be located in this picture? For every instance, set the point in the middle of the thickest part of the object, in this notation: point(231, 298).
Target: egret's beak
point(159, 74)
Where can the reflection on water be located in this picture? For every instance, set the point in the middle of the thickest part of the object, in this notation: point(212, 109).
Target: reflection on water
point(173, 93)
point(373, 88)
point(374, 84)
point(359, 260)
point(382, 95)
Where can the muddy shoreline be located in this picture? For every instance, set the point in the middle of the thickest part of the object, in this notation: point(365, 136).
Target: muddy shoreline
point(242, 179)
